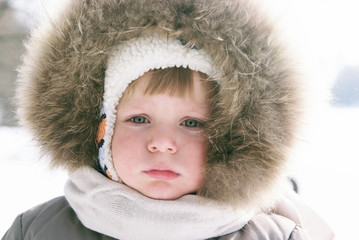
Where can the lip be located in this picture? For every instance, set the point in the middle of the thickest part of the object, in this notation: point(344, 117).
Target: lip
point(162, 174)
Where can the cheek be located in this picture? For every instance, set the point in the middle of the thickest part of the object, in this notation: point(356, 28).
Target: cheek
point(196, 159)
point(199, 147)
point(197, 154)
point(125, 151)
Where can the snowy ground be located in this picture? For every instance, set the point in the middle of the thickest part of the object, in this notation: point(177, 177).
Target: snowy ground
point(25, 181)
point(325, 164)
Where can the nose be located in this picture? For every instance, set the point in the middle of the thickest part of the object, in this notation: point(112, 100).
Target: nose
point(162, 140)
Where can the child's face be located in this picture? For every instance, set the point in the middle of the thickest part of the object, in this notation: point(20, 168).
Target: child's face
point(157, 146)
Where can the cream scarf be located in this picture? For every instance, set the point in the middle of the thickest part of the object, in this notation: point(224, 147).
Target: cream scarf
point(118, 211)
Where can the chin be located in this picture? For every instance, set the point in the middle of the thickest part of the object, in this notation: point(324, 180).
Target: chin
point(163, 195)
point(160, 193)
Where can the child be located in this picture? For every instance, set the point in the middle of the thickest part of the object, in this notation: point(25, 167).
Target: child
point(172, 117)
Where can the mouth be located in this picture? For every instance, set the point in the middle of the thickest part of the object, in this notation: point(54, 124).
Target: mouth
point(162, 174)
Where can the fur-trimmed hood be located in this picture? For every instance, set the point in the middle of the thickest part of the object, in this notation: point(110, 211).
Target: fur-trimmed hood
point(61, 86)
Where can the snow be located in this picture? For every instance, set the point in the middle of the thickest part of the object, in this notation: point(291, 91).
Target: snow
point(25, 179)
point(325, 164)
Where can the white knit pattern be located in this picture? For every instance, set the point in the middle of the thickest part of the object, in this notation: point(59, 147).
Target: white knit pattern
point(118, 211)
point(134, 58)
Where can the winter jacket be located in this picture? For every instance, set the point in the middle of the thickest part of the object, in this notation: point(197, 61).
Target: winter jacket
point(252, 123)
point(56, 220)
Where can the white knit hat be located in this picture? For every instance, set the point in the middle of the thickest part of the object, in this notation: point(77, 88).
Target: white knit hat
point(128, 62)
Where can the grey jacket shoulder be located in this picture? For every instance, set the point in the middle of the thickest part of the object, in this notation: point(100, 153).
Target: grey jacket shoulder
point(53, 220)
point(269, 227)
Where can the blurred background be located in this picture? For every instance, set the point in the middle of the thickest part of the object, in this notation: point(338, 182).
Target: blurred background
point(324, 36)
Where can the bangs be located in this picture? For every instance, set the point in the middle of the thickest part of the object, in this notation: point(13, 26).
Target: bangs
point(175, 81)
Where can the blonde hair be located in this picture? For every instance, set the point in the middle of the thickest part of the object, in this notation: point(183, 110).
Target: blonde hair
point(175, 81)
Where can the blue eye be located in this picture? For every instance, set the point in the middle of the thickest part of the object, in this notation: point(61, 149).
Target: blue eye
point(139, 120)
point(191, 123)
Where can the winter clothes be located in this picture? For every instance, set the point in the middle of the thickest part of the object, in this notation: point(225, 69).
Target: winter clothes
point(56, 220)
point(111, 208)
point(61, 86)
point(251, 127)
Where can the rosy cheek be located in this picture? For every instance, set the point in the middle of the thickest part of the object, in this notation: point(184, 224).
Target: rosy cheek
point(198, 151)
point(118, 146)
point(126, 149)
point(202, 146)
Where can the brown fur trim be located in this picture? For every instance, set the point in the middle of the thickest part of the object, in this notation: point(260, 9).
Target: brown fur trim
point(61, 86)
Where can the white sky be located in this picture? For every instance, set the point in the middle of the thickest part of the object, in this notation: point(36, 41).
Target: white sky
point(327, 28)
point(329, 24)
